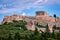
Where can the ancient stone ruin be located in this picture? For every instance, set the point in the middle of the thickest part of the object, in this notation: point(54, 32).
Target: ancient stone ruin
point(41, 17)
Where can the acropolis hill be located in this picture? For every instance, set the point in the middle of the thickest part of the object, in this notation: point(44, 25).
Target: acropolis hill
point(41, 17)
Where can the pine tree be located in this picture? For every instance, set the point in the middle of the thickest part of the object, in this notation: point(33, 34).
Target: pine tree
point(36, 31)
point(47, 33)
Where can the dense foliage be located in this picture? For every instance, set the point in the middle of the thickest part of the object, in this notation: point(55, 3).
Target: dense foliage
point(17, 31)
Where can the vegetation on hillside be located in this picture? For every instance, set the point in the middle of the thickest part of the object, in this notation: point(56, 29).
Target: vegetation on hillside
point(17, 31)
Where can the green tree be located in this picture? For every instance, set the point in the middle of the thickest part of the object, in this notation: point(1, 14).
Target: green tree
point(54, 27)
point(15, 21)
point(51, 39)
point(10, 37)
point(29, 37)
point(17, 36)
point(22, 24)
point(47, 33)
point(36, 24)
point(36, 31)
point(55, 17)
point(5, 23)
point(47, 28)
point(43, 36)
point(58, 36)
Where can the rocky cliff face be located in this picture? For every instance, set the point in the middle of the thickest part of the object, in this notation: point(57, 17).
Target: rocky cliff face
point(41, 17)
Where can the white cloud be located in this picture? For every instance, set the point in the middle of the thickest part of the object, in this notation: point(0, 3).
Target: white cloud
point(23, 13)
point(42, 1)
point(16, 5)
point(9, 10)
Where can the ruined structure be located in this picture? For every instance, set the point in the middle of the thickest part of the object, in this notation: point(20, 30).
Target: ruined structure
point(41, 17)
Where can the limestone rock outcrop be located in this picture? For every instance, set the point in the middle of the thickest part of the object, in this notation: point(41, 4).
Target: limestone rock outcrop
point(41, 17)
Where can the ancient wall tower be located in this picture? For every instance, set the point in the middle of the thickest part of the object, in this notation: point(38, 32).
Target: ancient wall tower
point(41, 13)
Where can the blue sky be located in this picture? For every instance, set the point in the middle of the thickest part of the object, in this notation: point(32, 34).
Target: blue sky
point(28, 7)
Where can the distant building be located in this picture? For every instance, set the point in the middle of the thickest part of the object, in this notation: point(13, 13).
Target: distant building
point(41, 13)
